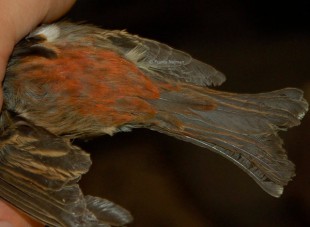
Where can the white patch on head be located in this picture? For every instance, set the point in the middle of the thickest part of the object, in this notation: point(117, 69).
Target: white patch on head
point(109, 130)
point(50, 32)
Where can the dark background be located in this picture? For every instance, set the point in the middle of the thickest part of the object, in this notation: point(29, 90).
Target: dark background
point(260, 46)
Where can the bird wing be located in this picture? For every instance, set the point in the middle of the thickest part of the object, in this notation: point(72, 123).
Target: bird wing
point(156, 59)
point(162, 61)
point(39, 174)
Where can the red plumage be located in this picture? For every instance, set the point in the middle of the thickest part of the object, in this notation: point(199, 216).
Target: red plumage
point(66, 81)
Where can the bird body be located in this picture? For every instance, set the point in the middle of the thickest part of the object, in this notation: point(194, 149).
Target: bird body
point(67, 81)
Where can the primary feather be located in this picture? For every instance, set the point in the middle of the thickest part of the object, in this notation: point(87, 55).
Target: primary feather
point(70, 80)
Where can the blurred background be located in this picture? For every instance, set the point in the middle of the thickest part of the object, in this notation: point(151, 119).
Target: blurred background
point(260, 46)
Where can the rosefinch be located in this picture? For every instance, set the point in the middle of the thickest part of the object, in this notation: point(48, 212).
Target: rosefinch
point(67, 81)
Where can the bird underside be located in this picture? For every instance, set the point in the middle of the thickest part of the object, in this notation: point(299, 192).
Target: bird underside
point(67, 81)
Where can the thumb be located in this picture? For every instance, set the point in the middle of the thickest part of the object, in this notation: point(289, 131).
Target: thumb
point(10, 217)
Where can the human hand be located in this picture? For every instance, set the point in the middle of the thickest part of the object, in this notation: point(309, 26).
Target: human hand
point(17, 19)
point(9, 217)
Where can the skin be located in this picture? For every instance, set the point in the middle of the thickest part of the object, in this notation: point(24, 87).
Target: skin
point(17, 19)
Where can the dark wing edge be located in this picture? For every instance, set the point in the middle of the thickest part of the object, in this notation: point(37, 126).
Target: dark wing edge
point(39, 174)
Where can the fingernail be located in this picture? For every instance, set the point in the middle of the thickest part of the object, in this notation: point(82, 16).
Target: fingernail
point(5, 224)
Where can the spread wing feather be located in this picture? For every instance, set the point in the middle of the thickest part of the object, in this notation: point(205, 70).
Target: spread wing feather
point(39, 174)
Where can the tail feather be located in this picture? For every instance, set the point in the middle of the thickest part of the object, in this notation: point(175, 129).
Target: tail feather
point(241, 127)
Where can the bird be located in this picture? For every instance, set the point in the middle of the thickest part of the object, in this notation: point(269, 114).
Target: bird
point(75, 80)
